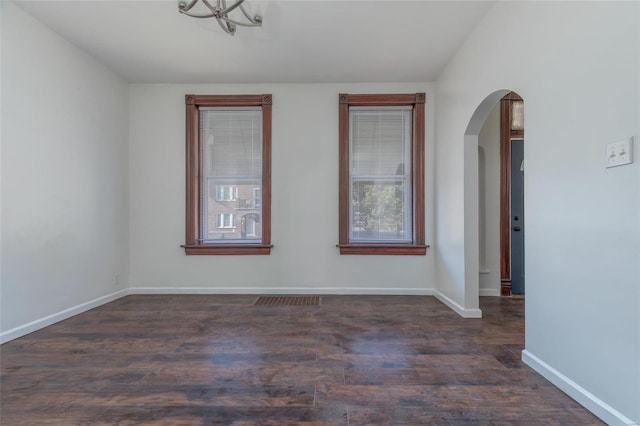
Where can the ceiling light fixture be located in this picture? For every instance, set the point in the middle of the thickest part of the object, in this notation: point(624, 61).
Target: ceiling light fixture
point(221, 12)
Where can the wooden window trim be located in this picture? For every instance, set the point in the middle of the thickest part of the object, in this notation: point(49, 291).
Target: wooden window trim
point(193, 219)
point(417, 101)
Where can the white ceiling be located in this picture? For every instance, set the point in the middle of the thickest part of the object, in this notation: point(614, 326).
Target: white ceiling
point(301, 41)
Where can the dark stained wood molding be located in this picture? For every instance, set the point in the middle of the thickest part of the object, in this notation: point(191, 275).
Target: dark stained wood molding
point(506, 134)
point(387, 249)
point(193, 207)
point(417, 101)
point(381, 99)
point(226, 249)
point(266, 171)
point(512, 96)
point(343, 167)
point(192, 202)
point(232, 100)
point(417, 155)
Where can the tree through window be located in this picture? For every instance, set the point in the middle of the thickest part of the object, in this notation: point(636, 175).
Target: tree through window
point(382, 174)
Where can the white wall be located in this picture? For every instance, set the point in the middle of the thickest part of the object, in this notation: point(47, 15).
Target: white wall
point(64, 175)
point(577, 66)
point(489, 203)
point(304, 202)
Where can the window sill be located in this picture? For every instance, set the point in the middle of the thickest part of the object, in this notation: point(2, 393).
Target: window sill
point(385, 249)
point(226, 249)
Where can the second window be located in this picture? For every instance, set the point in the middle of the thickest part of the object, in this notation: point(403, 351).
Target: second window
point(381, 174)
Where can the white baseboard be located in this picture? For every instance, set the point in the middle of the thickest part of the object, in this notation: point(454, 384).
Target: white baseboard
point(284, 290)
point(492, 292)
point(464, 313)
point(75, 310)
point(25, 329)
point(604, 411)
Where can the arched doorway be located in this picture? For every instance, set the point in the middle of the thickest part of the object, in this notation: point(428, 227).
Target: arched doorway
point(493, 263)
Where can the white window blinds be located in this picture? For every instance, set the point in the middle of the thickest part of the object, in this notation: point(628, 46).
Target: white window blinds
point(380, 174)
point(231, 152)
point(232, 141)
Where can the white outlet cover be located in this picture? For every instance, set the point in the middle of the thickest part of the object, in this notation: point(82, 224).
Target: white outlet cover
point(619, 153)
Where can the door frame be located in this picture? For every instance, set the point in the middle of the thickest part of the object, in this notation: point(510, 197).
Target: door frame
point(506, 134)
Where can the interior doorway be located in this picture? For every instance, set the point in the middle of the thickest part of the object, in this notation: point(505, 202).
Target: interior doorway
point(517, 216)
point(512, 220)
point(504, 109)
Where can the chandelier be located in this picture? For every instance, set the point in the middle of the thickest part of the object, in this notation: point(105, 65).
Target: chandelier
point(221, 12)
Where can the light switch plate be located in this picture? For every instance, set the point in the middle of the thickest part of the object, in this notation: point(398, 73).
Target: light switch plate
point(619, 153)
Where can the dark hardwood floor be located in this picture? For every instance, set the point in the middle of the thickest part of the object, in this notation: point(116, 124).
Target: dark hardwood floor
point(201, 359)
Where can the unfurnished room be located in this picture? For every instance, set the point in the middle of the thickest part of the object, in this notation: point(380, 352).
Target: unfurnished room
point(346, 212)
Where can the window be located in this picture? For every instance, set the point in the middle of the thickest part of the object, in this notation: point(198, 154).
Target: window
point(225, 220)
point(381, 200)
point(228, 140)
point(257, 197)
point(226, 193)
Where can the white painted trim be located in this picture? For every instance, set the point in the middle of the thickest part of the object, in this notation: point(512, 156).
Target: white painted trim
point(83, 307)
point(493, 292)
point(604, 411)
point(283, 290)
point(25, 329)
point(464, 313)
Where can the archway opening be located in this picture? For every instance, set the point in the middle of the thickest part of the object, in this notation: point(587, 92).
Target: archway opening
point(491, 218)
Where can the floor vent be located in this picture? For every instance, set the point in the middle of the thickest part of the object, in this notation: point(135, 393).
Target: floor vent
point(288, 300)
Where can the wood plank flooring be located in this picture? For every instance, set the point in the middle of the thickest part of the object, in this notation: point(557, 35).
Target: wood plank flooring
point(353, 360)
